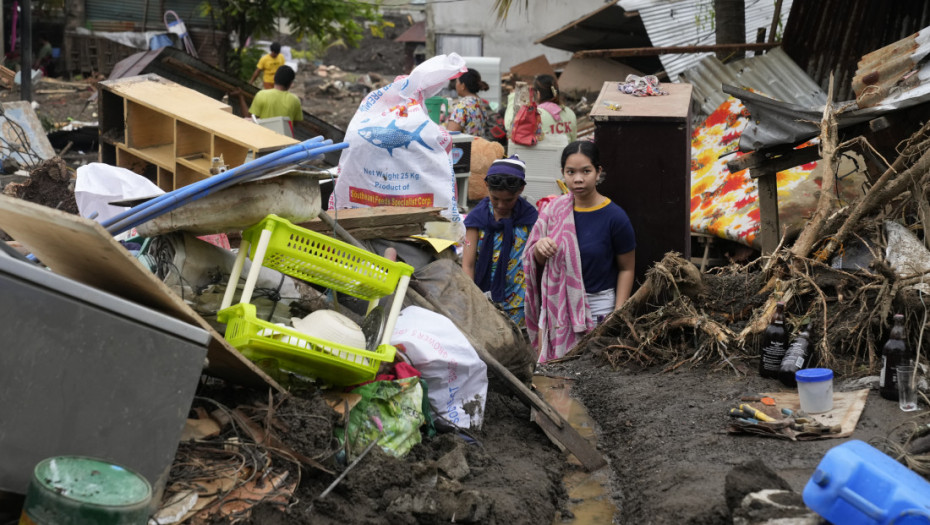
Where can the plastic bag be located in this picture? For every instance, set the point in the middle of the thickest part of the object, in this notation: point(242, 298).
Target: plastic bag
point(456, 378)
point(99, 184)
point(391, 410)
point(526, 124)
point(397, 156)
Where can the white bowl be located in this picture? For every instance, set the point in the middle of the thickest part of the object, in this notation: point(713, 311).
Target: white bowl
point(330, 325)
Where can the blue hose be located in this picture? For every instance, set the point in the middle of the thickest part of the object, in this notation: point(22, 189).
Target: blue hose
point(177, 198)
point(258, 163)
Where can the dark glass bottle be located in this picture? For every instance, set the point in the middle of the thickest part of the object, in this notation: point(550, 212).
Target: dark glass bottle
point(894, 354)
point(796, 358)
point(774, 344)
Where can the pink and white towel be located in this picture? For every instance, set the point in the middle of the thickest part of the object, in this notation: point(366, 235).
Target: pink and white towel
point(557, 313)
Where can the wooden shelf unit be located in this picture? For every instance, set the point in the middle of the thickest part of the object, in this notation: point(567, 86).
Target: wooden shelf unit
point(170, 134)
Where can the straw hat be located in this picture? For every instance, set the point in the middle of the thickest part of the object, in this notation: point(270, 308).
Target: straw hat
point(330, 325)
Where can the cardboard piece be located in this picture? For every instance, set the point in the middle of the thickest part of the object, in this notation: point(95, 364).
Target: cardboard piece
point(586, 76)
point(82, 250)
point(531, 68)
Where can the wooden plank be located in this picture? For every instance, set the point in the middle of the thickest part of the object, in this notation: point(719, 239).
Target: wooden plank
point(672, 50)
point(6, 77)
point(377, 216)
point(82, 250)
point(768, 211)
point(569, 439)
point(775, 159)
point(393, 231)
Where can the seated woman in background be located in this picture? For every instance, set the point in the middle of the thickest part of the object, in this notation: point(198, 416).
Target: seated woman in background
point(469, 114)
point(579, 260)
point(555, 117)
point(495, 236)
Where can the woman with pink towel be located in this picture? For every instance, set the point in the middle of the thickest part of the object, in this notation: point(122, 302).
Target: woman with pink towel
point(579, 259)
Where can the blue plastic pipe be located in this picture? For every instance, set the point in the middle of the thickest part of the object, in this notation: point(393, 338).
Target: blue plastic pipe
point(253, 165)
point(177, 198)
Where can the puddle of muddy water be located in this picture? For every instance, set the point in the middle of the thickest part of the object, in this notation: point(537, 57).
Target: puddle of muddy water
point(588, 492)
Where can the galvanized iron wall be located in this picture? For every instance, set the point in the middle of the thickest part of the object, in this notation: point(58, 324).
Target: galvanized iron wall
point(134, 10)
point(691, 23)
point(825, 36)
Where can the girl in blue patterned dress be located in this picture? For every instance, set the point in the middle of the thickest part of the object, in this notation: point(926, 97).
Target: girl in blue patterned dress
point(495, 235)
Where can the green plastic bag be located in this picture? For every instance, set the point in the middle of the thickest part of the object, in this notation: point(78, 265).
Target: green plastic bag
point(391, 410)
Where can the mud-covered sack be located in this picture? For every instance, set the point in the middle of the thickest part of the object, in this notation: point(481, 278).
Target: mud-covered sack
point(444, 282)
point(397, 156)
point(457, 379)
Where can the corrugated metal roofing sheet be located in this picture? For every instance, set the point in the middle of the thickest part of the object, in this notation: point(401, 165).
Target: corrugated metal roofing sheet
point(690, 22)
point(773, 74)
point(894, 68)
point(135, 10)
point(825, 36)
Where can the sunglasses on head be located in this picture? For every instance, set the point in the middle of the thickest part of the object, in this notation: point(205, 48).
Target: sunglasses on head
point(504, 182)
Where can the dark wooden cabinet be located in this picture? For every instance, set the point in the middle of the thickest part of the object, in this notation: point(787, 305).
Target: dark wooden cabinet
point(645, 145)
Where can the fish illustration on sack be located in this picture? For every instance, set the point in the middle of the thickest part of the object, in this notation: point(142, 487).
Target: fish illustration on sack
point(391, 137)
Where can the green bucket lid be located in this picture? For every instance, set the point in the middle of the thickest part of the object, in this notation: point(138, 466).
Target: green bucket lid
point(93, 481)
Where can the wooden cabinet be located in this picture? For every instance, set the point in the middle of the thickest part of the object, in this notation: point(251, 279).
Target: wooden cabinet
point(645, 146)
point(170, 134)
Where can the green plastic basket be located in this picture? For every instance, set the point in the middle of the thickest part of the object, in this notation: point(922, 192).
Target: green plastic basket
point(317, 258)
point(300, 353)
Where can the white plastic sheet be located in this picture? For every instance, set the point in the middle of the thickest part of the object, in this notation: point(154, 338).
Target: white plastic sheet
point(906, 254)
point(99, 184)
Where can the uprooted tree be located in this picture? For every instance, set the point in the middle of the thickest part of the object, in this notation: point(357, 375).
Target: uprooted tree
point(681, 316)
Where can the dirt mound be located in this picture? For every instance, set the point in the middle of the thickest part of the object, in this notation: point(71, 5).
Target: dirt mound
point(508, 472)
point(374, 53)
point(50, 184)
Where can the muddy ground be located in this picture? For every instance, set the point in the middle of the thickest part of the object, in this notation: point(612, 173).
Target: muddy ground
point(665, 436)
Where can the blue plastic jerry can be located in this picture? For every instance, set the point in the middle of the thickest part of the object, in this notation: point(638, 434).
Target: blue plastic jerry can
point(857, 484)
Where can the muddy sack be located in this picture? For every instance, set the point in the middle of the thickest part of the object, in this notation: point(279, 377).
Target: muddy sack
point(443, 282)
point(457, 379)
point(397, 156)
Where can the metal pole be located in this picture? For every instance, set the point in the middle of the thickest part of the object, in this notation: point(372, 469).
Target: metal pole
point(25, 88)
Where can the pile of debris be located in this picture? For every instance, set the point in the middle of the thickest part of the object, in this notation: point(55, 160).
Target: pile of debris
point(331, 368)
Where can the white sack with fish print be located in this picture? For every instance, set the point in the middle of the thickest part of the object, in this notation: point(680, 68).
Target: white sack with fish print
point(397, 156)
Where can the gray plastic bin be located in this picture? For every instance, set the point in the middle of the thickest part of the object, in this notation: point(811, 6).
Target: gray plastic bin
point(84, 372)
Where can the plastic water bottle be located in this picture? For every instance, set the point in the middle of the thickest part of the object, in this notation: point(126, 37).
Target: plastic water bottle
point(774, 343)
point(795, 358)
